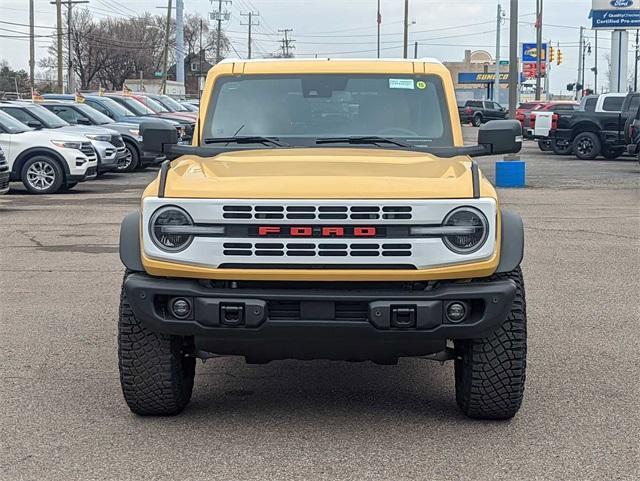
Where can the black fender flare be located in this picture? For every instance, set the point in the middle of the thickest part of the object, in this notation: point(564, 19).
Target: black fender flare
point(130, 254)
point(26, 154)
point(512, 241)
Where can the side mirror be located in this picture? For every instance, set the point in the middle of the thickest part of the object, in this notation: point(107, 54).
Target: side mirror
point(158, 136)
point(82, 121)
point(501, 137)
point(34, 124)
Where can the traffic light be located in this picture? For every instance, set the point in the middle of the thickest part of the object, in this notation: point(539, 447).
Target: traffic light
point(552, 54)
point(560, 57)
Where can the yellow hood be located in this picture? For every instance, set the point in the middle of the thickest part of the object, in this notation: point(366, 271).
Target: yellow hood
point(320, 173)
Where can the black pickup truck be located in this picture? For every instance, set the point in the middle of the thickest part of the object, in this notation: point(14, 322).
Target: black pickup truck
point(589, 134)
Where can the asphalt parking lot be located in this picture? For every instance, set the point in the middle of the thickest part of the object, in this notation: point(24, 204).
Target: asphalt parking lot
point(62, 415)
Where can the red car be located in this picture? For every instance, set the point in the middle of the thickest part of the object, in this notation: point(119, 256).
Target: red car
point(523, 111)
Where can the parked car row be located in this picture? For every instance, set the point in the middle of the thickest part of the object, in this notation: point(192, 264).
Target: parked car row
point(53, 144)
point(599, 127)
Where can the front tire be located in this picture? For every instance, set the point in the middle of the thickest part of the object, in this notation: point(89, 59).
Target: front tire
point(490, 372)
point(561, 149)
point(587, 146)
point(155, 373)
point(42, 175)
point(545, 145)
point(611, 154)
point(131, 161)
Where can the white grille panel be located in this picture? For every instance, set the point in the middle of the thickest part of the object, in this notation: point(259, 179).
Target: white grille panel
point(420, 252)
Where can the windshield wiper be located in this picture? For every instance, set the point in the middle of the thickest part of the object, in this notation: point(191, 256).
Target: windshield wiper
point(367, 139)
point(249, 139)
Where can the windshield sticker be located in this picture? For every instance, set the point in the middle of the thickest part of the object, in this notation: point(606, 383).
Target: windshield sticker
point(421, 84)
point(401, 83)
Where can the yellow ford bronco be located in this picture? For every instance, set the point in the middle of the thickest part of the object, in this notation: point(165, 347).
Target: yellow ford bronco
point(327, 209)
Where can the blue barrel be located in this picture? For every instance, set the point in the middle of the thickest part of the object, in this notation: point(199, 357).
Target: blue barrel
point(510, 173)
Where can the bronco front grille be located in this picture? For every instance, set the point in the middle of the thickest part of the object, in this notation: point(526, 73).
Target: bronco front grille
point(317, 212)
point(302, 249)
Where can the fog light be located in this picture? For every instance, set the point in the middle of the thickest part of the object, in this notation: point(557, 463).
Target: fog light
point(180, 308)
point(456, 312)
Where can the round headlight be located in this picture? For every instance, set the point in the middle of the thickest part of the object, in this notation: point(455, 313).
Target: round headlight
point(162, 227)
point(475, 227)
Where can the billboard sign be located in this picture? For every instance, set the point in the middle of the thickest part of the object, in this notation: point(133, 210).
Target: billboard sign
point(615, 14)
point(530, 52)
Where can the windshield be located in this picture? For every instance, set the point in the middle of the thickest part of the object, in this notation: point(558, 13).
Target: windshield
point(412, 108)
point(96, 117)
point(171, 104)
point(157, 107)
point(11, 125)
point(135, 106)
point(116, 108)
point(48, 119)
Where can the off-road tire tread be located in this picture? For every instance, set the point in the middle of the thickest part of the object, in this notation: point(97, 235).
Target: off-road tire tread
point(490, 372)
point(156, 377)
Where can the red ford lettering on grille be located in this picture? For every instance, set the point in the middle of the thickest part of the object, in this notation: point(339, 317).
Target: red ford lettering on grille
point(308, 231)
point(267, 230)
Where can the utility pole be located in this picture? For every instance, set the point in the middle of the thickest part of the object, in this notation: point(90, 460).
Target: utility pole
point(580, 60)
point(539, 49)
point(249, 23)
point(180, 41)
point(200, 61)
point(70, 74)
point(219, 15)
point(32, 46)
point(59, 38)
point(513, 58)
point(415, 50)
point(595, 64)
point(635, 73)
point(165, 53)
point(287, 43)
point(496, 85)
point(379, 21)
point(406, 27)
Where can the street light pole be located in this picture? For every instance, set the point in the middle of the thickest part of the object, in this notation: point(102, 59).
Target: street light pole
point(496, 85)
point(406, 27)
point(513, 58)
point(539, 49)
point(379, 21)
point(165, 54)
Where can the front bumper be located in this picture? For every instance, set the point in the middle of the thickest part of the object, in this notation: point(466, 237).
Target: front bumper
point(350, 322)
point(149, 158)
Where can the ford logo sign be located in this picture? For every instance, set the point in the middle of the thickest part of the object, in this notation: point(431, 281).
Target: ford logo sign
point(621, 3)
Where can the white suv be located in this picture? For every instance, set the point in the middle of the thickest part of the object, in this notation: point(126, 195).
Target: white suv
point(46, 161)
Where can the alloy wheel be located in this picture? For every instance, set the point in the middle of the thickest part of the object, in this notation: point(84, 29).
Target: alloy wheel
point(585, 146)
point(125, 162)
point(41, 175)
